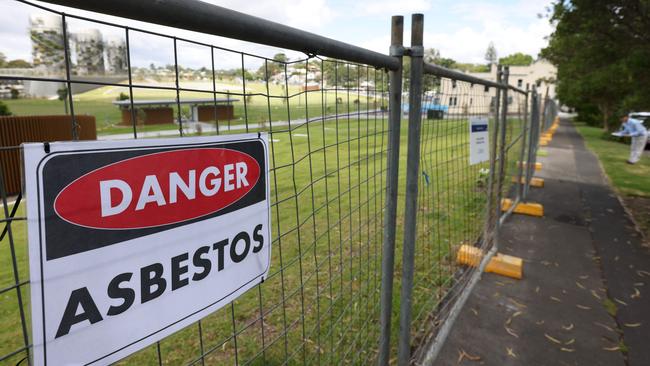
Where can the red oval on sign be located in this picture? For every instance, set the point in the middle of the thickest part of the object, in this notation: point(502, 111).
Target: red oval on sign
point(158, 189)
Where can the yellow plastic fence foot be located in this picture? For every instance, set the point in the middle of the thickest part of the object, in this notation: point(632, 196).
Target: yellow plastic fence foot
point(543, 143)
point(527, 208)
point(547, 136)
point(534, 182)
point(538, 166)
point(501, 264)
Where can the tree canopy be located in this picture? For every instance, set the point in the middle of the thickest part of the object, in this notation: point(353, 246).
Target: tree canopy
point(491, 54)
point(516, 59)
point(602, 52)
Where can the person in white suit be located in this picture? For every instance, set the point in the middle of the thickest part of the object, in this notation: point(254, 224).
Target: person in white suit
point(634, 127)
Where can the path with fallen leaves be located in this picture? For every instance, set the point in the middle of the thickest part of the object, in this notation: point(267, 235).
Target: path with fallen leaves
point(585, 295)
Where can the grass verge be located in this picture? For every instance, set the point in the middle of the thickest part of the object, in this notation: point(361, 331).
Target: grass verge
point(630, 181)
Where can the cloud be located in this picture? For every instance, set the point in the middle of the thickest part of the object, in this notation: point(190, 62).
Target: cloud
point(391, 7)
point(460, 29)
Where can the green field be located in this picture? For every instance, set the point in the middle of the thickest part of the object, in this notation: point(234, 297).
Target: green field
point(631, 181)
point(628, 179)
point(254, 108)
point(321, 299)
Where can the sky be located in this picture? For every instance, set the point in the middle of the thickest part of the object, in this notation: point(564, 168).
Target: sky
point(459, 29)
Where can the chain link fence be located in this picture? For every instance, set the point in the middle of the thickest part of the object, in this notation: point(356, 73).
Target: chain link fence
point(334, 120)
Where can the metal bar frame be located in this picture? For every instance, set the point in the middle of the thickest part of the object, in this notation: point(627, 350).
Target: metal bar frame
point(412, 178)
point(206, 18)
point(392, 183)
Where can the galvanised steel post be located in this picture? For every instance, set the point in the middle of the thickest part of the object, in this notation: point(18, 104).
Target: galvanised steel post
point(392, 182)
point(520, 170)
point(502, 152)
point(534, 131)
point(493, 159)
point(412, 178)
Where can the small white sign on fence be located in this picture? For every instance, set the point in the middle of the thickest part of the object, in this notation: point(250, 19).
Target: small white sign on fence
point(479, 140)
point(131, 241)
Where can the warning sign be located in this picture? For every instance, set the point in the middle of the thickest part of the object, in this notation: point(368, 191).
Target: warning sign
point(479, 140)
point(132, 241)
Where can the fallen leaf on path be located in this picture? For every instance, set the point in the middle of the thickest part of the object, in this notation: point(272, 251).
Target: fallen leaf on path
point(584, 277)
point(517, 303)
point(511, 332)
point(474, 311)
point(639, 284)
point(555, 299)
point(620, 301)
point(570, 342)
point(462, 355)
point(537, 289)
point(580, 285)
point(539, 322)
point(636, 294)
point(604, 326)
point(632, 325)
point(596, 295)
point(554, 340)
point(511, 353)
point(615, 348)
point(583, 307)
point(567, 349)
point(643, 273)
point(568, 327)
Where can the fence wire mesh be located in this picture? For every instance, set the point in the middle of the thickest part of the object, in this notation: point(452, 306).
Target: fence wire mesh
point(328, 129)
point(452, 199)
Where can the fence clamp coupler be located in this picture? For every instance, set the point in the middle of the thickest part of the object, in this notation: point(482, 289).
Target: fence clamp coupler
point(415, 51)
point(396, 51)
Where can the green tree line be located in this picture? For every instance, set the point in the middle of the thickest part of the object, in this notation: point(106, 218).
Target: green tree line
point(602, 52)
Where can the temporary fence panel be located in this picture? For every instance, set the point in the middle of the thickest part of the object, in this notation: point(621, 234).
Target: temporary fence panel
point(333, 123)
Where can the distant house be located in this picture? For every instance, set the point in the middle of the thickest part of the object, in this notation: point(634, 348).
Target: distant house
point(540, 73)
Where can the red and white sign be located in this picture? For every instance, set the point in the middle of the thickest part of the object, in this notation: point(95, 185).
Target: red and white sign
point(132, 241)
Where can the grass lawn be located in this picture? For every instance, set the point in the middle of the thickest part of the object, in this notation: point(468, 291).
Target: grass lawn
point(320, 302)
point(254, 108)
point(631, 181)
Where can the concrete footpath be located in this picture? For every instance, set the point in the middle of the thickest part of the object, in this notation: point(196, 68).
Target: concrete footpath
point(585, 295)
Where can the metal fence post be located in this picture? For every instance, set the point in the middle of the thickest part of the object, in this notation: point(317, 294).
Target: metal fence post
point(520, 168)
point(493, 159)
point(412, 178)
point(392, 182)
point(502, 149)
point(534, 132)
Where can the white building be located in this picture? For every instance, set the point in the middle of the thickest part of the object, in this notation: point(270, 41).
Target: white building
point(540, 73)
point(89, 47)
point(115, 48)
point(46, 33)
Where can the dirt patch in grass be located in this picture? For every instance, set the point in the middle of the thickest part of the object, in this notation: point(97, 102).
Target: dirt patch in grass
point(640, 209)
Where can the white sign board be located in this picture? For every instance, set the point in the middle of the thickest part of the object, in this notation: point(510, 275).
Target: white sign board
point(131, 241)
point(479, 140)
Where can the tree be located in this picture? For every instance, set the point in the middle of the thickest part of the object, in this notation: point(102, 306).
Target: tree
point(280, 57)
point(601, 49)
point(4, 109)
point(63, 96)
point(516, 59)
point(3, 60)
point(270, 68)
point(491, 54)
point(18, 64)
